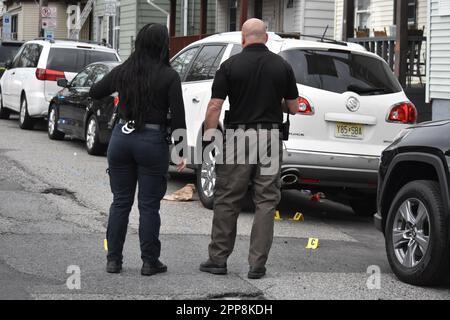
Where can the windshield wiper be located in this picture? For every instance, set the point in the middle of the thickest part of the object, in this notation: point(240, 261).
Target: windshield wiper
point(367, 90)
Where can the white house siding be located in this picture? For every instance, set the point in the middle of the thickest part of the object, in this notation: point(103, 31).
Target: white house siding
point(318, 14)
point(128, 26)
point(438, 82)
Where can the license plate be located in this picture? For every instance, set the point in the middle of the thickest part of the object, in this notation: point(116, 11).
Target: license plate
point(349, 130)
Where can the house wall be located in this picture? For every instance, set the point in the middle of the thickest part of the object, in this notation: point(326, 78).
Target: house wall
point(438, 82)
point(381, 15)
point(128, 26)
point(317, 15)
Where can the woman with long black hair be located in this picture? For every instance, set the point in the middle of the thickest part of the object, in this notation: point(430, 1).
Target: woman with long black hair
point(138, 153)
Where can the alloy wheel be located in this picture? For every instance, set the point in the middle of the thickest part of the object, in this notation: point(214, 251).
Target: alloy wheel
point(23, 110)
point(52, 121)
point(411, 232)
point(91, 132)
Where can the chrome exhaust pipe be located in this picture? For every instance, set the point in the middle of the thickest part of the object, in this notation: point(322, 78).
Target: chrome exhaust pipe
point(289, 177)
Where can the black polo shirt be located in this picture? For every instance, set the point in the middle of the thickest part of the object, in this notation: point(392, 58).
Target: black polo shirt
point(255, 80)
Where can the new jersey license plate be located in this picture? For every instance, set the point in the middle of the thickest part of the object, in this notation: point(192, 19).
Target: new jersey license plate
point(349, 130)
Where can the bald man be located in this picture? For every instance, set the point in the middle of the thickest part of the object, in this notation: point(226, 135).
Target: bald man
point(255, 81)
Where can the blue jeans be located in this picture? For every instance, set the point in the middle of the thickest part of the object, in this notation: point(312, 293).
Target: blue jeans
point(140, 158)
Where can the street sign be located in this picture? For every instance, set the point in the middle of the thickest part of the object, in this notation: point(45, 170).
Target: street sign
point(110, 8)
point(6, 27)
point(48, 23)
point(48, 12)
point(49, 34)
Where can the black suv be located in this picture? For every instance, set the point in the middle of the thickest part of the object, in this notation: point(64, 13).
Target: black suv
point(414, 203)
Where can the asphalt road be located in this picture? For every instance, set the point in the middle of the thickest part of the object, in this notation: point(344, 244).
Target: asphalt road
point(54, 200)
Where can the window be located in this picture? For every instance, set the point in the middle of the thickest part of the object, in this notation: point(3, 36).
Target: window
point(362, 14)
point(181, 63)
point(80, 80)
point(14, 21)
point(258, 9)
point(341, 71)
point(28, 57)
point(232, 14)
point(74, 60)
point(412, 13)
point(8, 52)
point(236, 49)
point(206, 63)
point(98, 73)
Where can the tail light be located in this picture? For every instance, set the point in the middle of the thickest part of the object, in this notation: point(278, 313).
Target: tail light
point(404, 112)
point(49, 75)
point(116, 101)
point(304, 106)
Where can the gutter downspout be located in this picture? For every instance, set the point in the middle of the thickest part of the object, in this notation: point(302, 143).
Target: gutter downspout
point(150, 2)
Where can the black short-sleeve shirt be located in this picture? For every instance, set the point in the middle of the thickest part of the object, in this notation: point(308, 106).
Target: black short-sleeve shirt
point(255, 80)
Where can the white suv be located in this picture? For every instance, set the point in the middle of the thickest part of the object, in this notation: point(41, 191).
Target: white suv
point(29, 84)
point(351, 109)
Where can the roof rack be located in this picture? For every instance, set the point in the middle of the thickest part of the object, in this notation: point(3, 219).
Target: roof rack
point(74, 40)
point(298, 35)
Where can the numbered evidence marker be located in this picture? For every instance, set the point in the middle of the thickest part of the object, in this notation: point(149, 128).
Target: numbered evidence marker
point(298, 217)
point(105, 245)
point(277, 216)
point(313, 243)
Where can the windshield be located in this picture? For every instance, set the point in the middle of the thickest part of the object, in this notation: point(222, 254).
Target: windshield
point(74, 60)
point(340, 71)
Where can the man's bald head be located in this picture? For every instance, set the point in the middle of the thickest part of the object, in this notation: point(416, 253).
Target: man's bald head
point(254, 31)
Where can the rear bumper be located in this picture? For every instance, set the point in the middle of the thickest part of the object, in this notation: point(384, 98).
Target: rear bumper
point(37, 104)
point(333, 169)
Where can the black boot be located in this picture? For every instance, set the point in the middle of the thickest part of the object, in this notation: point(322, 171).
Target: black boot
point(214, 268)
point(256, 272)
point(149, 269)
point(113, 266)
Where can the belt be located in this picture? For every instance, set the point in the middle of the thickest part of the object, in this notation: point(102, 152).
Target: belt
point(255, 126)
point(148, 125)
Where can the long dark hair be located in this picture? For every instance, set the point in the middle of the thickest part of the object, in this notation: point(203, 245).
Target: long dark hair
point(138, 75)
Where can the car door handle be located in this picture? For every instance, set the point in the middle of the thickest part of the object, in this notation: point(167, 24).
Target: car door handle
point(196, 100)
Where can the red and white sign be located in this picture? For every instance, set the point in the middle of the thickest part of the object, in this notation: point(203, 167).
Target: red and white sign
point(48, 12)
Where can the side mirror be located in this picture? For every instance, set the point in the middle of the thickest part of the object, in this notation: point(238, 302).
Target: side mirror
point(62, 82)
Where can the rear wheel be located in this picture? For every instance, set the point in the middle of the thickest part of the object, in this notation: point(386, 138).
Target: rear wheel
point(206, 181)
point(4, 113)
point(25, 121)
point(418, 234)
point(93, 144)
point(52, 125)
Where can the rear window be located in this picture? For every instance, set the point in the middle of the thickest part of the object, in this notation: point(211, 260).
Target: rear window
point(341, 71)
point(74, 60)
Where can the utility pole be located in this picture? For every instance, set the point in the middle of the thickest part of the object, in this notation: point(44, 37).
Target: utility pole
point(42, 3)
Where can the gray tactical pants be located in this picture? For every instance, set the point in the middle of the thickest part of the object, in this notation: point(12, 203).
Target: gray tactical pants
point(232, 185)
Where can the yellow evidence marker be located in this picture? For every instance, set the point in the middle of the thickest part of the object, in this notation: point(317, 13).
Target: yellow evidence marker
point(105, 245)
point(298, 217)
point(313, 243)
point(277, 216)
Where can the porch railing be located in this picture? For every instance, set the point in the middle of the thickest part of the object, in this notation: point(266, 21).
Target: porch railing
point(385, 48)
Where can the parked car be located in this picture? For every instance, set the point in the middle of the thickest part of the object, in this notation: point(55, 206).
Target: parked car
point(8, 49)
point(72, 112)
point(29, 84)
point(414, 203)
point(351, 108)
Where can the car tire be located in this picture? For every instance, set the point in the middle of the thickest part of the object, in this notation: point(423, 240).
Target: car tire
point(206, 179)
point(365, 206)
point(4, 113)
point(93, 145)
point(25, 121)
point(52, 125)
point(413, 259)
